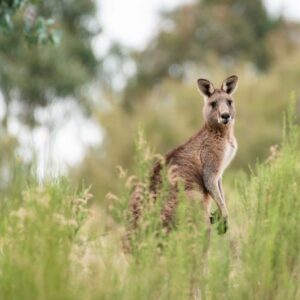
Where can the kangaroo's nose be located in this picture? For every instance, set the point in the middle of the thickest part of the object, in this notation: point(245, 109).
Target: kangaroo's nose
point(225, 116)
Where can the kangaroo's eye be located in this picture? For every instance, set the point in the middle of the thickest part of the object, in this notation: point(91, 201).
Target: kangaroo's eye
point(213, 104)
point(229, 102)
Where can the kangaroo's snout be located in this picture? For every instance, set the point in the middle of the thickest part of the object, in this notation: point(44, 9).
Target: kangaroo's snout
point(225, 118)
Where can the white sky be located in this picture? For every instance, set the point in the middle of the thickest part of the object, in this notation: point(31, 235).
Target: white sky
point(287, 8)
point(133, 23)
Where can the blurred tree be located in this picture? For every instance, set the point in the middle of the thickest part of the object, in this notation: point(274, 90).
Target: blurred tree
point(7, 9)
point(35, 76)
point(36, 29)
point(228, 31)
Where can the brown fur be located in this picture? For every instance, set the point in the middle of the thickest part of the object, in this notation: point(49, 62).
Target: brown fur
point(201, 160)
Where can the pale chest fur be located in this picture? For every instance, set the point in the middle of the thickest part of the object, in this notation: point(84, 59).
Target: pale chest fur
point(228, 154)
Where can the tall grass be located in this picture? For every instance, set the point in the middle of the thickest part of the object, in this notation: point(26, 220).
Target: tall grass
point(54, 246)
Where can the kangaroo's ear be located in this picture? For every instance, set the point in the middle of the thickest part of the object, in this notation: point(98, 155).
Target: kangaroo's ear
point(229, 85)
point(206, 88)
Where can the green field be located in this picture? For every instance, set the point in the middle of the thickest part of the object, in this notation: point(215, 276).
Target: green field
point(55, 245)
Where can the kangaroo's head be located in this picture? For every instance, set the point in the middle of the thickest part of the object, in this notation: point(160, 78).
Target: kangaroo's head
point(219, 106)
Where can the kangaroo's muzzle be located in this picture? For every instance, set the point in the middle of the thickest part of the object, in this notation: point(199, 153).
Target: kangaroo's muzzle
point(225, 118)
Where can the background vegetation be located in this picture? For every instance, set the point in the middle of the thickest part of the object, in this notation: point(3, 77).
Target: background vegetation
point(62, 239)
point(161, 95)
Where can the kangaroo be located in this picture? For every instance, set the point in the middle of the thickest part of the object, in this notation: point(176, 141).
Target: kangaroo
point(201, 161)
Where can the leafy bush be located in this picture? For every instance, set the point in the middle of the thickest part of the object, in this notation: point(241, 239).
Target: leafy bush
point(37, 30)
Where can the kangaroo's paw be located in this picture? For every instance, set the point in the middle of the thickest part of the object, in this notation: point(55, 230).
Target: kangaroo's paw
point(222, 226)
point(215, 217)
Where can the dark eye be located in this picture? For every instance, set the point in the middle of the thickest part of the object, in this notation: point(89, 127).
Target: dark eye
point(229, 102)
point(213, 104)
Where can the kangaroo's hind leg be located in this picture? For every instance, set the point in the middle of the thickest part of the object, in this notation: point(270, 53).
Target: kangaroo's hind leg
point(168, 211)
point(197, 288)
point(205, 201)
point(207, 206)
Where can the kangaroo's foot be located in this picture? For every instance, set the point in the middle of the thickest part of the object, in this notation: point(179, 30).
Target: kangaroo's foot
point(215, 217)
point(222, 226)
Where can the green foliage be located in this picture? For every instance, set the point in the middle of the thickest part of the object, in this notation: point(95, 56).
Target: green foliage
point(53, 247)
point(7, 9)
point(38, 30)
point(35, 76)
point(38, 234)
point(41, 31)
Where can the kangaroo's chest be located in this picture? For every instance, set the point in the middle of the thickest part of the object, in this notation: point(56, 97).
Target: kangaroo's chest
point(228, 154)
